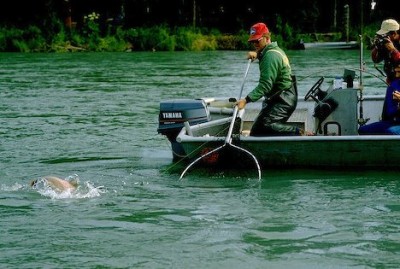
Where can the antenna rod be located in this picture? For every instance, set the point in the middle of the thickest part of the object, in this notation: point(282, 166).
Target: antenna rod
point(361, 120)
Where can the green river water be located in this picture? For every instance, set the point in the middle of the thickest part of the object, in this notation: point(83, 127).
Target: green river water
point(93, 117)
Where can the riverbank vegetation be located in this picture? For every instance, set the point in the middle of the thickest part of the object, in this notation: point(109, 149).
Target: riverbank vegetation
point(93, 37)
point(154, 25)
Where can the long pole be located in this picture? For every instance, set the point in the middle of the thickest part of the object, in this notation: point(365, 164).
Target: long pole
point(228, 139)
point(362, 122)
point(362, 18)
point(236, 109)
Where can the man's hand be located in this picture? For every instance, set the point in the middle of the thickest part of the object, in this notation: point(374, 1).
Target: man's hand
point(241, 103)
point(389, 46)
point(252, 55)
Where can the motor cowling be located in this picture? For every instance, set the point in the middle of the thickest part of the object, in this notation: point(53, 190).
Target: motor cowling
point(174, 113)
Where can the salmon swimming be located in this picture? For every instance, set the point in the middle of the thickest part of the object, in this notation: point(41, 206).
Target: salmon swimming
point(56, 183)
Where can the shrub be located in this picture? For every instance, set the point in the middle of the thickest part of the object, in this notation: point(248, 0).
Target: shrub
point(89, 37)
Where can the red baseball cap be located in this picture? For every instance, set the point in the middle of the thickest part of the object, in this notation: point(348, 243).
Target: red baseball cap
point(257, 31)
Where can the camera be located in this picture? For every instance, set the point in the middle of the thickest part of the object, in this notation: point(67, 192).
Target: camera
point(381, 40)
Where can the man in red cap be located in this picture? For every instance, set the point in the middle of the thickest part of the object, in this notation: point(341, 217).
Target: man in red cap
point(276, 84)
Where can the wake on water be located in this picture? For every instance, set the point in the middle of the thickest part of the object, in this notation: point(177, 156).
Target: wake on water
point(86, 190)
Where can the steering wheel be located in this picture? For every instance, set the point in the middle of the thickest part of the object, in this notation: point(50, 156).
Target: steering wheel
point(314, 90)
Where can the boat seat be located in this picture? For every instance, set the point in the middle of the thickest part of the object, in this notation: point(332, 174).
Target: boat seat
point(298, 119)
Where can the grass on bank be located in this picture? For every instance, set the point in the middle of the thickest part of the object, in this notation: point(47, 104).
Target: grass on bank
point(94, 37)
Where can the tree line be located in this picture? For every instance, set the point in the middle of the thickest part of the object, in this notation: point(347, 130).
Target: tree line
point(286, 19)
point(225, 15)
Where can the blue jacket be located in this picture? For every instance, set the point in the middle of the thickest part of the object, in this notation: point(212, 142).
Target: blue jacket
point(391, 110)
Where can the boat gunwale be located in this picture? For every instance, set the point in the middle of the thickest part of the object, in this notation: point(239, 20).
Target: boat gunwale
point(183, 138)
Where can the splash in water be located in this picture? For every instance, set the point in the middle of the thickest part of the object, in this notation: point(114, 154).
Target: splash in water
point(50, 187)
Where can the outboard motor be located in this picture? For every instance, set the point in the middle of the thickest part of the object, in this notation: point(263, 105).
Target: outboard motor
point(173, 115)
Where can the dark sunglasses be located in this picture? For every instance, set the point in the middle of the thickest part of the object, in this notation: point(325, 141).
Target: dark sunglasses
point(256, 41)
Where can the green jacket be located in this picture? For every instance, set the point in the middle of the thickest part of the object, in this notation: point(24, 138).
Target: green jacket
point(275, 74)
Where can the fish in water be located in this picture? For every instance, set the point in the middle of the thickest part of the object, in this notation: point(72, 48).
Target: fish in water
point(55, 183)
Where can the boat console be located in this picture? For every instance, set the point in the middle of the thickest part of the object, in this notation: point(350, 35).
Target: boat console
point(335, 109)
point(343, 120)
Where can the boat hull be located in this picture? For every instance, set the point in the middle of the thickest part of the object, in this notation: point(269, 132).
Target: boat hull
point(336, 143)
point(302, 152)
point(329, 45)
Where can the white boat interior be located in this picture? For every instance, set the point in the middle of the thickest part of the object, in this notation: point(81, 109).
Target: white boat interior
point(343, 120)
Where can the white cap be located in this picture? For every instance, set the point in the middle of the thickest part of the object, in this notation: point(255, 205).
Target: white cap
point(388, 26)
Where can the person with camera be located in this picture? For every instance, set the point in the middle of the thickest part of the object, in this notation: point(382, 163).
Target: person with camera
point(386, 48)
point(390, 120)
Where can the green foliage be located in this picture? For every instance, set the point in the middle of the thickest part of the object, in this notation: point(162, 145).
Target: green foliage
point(192, 39)
point(232, 42)
point(369, 34)
point(34, 39)
point(90, 37)
point(3, 41)
point(20, 46)
point(203, 43)
point(154, 38)
point(184, 38)
point(59, 42)
point(290, 41)
point(140, 39)
point(77, 39)
point(51, 26)
point(111, 43)
point(91, 27)
point(91, 31)
point(18, 40)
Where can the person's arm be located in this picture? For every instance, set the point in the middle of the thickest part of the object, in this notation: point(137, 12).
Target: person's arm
point(242, 102)
point(376, 56)
point(394, 54)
